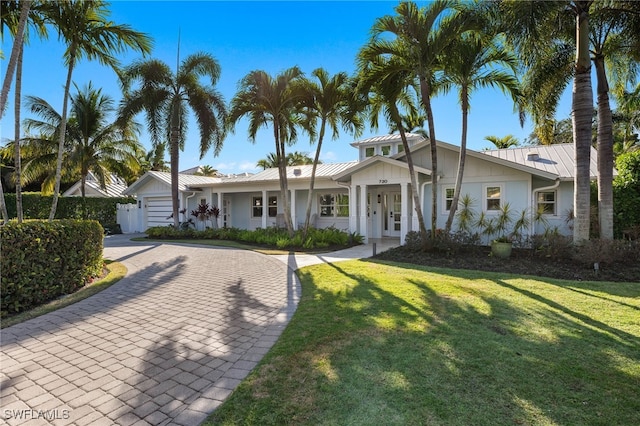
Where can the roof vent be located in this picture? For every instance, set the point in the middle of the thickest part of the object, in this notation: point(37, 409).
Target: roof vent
point(297, 172)
point(533, 156)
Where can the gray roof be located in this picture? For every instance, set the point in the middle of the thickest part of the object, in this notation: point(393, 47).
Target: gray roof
point(325, 170)
point(411, 138)
point(114, 187)
point(185, 182)
point(557, 159)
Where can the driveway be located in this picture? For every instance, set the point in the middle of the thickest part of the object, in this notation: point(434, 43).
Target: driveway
point(165, 345)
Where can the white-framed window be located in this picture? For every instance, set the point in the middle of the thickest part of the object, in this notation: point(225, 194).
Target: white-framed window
point(400, 148)
point(448, 198)
point(273, 206)
point(257, 205)
point(369, 152)
point(333, 205)
point(385, 150)
point(493, 197)
point(256, 210)
point(546, 202)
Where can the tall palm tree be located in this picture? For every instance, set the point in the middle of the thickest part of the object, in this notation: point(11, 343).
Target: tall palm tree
point(390, 85)
point(295, 158)
point(92, 143)
point(87, 32)
point(472, 63)
point(412, 122)
point(330, 104)
point(419, 36)
point(165, 98)
point(541, 32)
point(279, 101)
point(269, 162)
point(154, 159)
point(207, 170)
point(503, 142)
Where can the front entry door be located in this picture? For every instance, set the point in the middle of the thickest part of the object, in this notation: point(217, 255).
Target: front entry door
point(391, 210)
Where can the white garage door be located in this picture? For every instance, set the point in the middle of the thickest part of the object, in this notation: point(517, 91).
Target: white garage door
point(158, 210)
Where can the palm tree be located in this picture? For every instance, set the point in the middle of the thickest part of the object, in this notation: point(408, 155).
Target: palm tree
point(419, 36)
point(542, 34)
point(207, 171)
point(279, 101)
point(18, 36)
point(269, 162)
point(503, 142)
point(332, 107)
point(92, 144)
point(85, 28)
point(412, 122)
point(154, 159)
point(165, 98)
point(389, 84)
point(476, 62)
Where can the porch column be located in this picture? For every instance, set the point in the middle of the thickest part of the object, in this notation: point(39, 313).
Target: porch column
point(363, 213)
point(404, 218)
point(353, 208)
point(294, 216)
point(414, 215)
point(265, 208)
point(220, 218)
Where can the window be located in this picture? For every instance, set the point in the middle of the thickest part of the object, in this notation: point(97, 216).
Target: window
point(368, 152)
point(493, 198)
point(334, 205)
point(400, 148)
point(448, 198)
point(386, 150)
point(547, 202)
point(257, 206)
point(273, 206)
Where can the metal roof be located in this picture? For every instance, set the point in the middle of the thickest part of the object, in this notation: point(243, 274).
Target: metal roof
point(185, 182)
point(411, 138)
point(557, 159)
point(325, 170)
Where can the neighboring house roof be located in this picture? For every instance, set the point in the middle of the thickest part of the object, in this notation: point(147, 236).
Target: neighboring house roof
point(185, 182)
point(114, 187)
point(557, 159)
point(411, 137)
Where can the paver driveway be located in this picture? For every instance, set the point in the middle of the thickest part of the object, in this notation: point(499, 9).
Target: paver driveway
point(165, 345)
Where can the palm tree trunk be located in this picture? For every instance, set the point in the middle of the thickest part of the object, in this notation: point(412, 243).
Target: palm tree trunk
point(414, 183)
point(175, 158)
point(425, 92)
point(17, 160)
point(282, 173)
point(461, 160)
point(605, 153)
point(307, 216)
point(63, 131)
point(3, 205)
point(15, 49)
point(582, 111)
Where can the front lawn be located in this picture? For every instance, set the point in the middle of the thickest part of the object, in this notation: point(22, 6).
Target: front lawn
point(393, 344)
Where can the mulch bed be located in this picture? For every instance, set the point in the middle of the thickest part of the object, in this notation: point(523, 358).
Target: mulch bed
point(521, 262)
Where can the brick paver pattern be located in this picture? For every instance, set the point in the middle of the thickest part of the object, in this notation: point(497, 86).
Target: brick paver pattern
point(165, 345)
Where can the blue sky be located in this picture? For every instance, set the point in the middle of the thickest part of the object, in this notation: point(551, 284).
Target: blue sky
point(245, 36)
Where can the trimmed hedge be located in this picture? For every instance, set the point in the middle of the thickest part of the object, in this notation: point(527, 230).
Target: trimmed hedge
point(37, 206)
point(43, 260)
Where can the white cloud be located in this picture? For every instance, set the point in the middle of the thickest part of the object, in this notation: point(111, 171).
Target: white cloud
point(329, 156)
point(225, 166)
point(247, 166)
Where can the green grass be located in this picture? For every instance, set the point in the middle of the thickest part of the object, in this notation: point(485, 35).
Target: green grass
point(393, 344)
point(116, 272)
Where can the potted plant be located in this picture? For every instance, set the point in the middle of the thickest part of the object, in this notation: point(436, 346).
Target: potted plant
point(507, 226)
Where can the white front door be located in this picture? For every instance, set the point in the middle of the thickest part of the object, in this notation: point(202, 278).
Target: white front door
point(391, 214)
point(226, 212)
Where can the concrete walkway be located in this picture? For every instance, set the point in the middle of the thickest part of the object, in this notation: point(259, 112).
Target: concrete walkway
point(165, 345)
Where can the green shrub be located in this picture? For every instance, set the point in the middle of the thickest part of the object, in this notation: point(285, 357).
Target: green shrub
point(37, 206)
point(43, 260)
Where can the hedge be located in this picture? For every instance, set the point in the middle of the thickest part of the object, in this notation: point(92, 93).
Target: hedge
point(44, 260)
point(37, 206)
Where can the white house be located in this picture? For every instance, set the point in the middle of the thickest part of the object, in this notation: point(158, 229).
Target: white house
point(372, 196)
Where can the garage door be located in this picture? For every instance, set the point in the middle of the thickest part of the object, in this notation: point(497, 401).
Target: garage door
point(158, 210)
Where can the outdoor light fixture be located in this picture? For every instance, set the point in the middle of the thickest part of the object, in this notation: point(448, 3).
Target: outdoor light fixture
point(378, 198)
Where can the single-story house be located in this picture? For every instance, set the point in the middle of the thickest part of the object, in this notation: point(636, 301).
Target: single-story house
point(372, 196)
point(114, 187)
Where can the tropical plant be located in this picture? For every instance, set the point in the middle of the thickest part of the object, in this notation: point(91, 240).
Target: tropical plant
point(279, 101)
point(87, 32)
point(417, 37)
point(166, 97)
point(9, 12)
point(154, 159)
point(330, 104)
point(476, 61)
point(206, 170)
point(295, 158)
point(92, 144)
point(503, 142)
point(412, 122)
